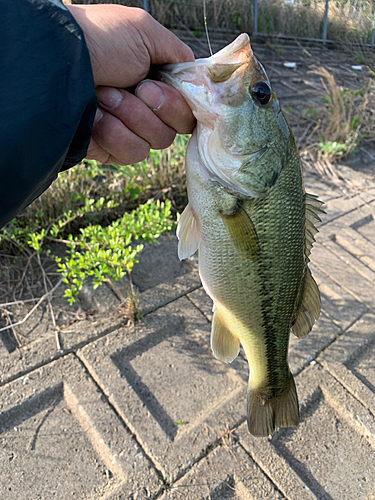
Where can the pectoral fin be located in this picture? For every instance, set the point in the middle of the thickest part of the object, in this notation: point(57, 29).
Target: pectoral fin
point(188, 234)
point(224, 344)
point(309, 309)
point(242, 232)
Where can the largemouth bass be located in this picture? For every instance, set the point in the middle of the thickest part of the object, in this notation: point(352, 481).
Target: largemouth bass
point(252, 222)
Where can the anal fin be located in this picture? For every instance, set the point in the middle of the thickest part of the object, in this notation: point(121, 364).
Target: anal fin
point(188, 234)
point(224, 344)
point(309, 308)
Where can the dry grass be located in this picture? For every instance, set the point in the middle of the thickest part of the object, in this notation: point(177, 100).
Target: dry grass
point(348, 22)
point(348, 117)
point(160, 176)
point(343, 122)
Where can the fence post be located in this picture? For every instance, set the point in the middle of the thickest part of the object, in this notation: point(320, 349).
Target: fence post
point(146, 6)
point(325, 23)
point(373, 32)
point(255, 17)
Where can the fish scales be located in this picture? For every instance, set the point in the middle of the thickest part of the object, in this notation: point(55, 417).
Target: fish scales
point(247, 218)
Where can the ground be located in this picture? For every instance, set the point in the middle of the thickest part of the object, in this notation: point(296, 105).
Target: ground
point(121, 411)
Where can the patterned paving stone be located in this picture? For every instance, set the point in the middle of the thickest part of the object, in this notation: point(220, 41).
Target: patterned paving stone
point(351, 361)
point(316, 460)
point(341, 307)
point(158, 262)
point(42, 348)
point(227, 473)
point(165, 383)
point(60, 439)
point(337, 207)
point(344, 275)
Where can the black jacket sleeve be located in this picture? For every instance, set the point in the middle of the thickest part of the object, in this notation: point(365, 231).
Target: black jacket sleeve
point(47, 99)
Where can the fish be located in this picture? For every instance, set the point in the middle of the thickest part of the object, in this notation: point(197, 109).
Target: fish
point(252, 223)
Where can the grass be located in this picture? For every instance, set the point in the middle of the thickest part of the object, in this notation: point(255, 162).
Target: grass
point(94, 219)
point(348, 22)
point(345, 118)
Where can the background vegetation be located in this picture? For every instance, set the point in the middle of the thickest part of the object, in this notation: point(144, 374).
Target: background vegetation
point(95, 218)
point(349, 21)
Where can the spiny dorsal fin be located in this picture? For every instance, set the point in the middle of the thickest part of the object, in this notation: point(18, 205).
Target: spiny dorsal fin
point(224, 344)
point(188, 234)
point(309, 309)
point(242, 232)
point(312, 211)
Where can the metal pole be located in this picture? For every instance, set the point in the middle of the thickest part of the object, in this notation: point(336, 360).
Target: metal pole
point(325, 23)
point(146, 6)
point(373, 32)
point(255, 17)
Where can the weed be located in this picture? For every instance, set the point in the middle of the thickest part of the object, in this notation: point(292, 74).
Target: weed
point(346, 117)
point(348, 22)
point(310, 113)
point(100, 216)
point(331, 149)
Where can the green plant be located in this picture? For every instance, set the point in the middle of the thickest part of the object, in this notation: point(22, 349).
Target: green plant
point(310, 113)
point(109, 253)
point(330, 148)
point(99, 216)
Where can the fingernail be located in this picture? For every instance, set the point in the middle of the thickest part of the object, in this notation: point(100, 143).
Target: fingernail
point(98, 115)
point(151, 94)
point(109, 97)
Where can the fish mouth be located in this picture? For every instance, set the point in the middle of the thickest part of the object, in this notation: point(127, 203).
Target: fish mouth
point(199, 81)
point(236, 54)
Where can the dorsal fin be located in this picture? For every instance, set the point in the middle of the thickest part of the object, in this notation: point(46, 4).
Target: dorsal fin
point(188, 234)
point(312, 211)
point(309, 304)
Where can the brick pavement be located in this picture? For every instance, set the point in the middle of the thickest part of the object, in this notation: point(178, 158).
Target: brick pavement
point(147, 412)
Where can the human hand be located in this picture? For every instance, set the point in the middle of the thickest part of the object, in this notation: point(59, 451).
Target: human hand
point(123, 43)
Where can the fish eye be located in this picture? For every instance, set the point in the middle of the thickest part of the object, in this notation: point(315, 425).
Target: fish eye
point(261, 92)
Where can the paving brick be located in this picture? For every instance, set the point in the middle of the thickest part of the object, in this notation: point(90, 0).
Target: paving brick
point(344, 275)
point(166, 292)
point(338, 207)
point(357, 245)
point(344, 248)
point(368, 229)
point(341, 307)
point(158, 262)
point(101, 299)
point(60, 439)
point(40, 345)
point(44, 349)
point(202, 301)
point(303, 351)
point(165, 383)
point(227, 473)
point(350, 359)
point(315, 460)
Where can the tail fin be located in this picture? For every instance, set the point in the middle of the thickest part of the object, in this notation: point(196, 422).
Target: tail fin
point(263, 414)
